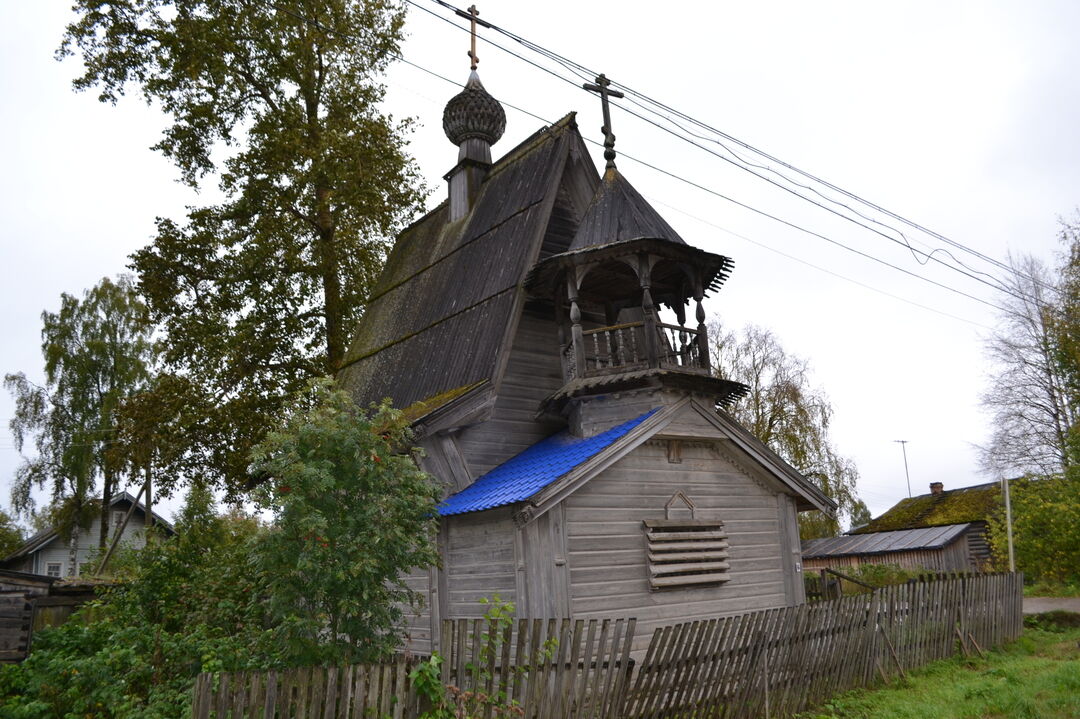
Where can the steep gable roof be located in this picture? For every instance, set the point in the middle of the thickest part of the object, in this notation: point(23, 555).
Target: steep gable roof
point(445, 304)
point(47, 535)
point(558, 464)
point(955, 506)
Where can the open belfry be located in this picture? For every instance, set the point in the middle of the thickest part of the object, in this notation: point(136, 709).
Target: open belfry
point(589, 467)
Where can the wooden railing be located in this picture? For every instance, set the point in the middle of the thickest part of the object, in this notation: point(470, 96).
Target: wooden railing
point(680, 347)
point(637, 345)
point(615, 348)
point(773, 663)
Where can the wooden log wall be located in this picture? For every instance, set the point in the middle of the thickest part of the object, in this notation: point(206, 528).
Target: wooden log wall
point(772, 663)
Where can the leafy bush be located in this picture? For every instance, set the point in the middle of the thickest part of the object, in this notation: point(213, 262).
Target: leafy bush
point(1046, 528)
point(227, 593)
point(185, 605)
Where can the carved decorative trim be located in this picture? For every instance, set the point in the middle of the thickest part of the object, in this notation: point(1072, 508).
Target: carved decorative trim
point(524, 515)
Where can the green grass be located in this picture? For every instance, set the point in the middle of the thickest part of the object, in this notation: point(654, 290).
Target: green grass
point(1046, 588)
point(1037, 677)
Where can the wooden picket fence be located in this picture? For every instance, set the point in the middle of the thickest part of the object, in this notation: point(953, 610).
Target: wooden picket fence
point(771, 663)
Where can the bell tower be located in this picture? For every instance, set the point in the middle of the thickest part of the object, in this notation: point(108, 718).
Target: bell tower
point(626, 262)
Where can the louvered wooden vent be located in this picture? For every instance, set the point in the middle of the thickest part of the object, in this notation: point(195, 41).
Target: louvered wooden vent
point(686, 553)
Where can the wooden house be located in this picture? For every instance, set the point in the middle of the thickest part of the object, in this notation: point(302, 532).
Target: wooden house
point(545, 329)
point(972, 507)
point(49, 554)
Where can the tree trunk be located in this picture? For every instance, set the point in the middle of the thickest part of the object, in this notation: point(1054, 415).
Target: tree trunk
point(107, 485)
point(331, 281)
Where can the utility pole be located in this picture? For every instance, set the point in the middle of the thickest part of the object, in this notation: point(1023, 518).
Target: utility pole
point(1008, 523)
point(903, 446)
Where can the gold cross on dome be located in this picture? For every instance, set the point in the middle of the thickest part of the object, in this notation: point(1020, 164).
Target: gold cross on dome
point(601, 87)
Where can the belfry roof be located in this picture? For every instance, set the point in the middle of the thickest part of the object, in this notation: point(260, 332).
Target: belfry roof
point(618, 213)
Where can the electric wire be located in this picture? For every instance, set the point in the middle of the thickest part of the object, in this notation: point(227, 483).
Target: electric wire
point(655, 168)
point(585, 73)
point(819, 268)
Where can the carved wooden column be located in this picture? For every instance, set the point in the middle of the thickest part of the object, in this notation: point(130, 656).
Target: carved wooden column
point(703, 335)
point(649, 312)
point(576, 335)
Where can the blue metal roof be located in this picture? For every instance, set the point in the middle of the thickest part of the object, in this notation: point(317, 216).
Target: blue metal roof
point(525, 474)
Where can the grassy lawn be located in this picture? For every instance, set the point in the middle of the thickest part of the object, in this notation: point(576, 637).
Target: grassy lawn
point(1052, 589)
point(1037, 677)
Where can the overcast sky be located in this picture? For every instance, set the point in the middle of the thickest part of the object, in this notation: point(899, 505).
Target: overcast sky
point(962, 116)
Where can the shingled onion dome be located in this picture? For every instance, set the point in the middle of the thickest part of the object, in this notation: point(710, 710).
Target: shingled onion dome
point(473, 114)
point(474, 121)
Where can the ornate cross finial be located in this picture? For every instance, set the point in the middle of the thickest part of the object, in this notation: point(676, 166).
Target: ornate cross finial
point(601, 87)
point(473, 13)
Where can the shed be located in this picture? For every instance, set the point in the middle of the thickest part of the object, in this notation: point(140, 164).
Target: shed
point(937, 549)
point(544, 329)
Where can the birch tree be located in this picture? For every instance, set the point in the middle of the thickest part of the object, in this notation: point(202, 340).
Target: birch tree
point(97, 352)
point(789, 415)
point(1028, 395)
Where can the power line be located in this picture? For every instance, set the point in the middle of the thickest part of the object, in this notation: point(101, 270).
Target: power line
point(823, 269)
point(585, 73)
point(655, 168)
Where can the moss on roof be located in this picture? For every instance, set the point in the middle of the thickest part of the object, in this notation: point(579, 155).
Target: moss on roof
point(422, 408)
point(955, 506)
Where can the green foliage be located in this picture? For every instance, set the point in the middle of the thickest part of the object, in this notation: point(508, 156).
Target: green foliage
point(97, 351)
point(185, 605)
point(280, 102)
point(11, 534)
point(790, 416)
point(1046, 528)
point(353, 513)
point(321, 585)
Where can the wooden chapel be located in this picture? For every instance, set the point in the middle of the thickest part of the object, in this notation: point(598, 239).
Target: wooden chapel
point(588, 465)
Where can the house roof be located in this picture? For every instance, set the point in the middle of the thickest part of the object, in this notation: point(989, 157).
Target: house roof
point(48, 534)
point(444, 306)
point(966, 504)
point(880, 542)
point(525, 474)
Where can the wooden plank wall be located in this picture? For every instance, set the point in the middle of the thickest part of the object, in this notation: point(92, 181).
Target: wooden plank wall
point(478, 561)
point(773, 663)
point(953, 558)
point(606, 540)
point(532, 373)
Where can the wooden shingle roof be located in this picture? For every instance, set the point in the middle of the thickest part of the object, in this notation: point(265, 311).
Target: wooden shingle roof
point(618, 213)
point(447, 300)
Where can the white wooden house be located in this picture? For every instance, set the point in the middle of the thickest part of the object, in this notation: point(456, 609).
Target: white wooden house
point(49, 554)
point(588, 465)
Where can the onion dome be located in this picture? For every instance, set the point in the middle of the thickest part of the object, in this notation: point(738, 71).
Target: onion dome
point(473, 113)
